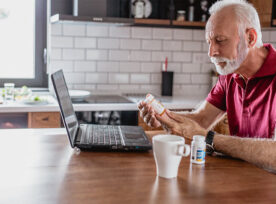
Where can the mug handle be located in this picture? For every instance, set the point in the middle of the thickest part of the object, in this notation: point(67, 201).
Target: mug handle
point(187, 150)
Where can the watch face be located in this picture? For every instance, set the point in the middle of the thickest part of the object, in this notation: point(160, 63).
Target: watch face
point(147, 7)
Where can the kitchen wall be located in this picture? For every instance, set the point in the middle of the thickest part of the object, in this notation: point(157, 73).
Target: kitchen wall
point(112, 59)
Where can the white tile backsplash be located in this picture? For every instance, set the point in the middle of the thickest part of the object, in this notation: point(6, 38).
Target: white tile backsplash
point(199, 35)
point(56, 29)
point(130, 44)
point(191, 46)
point(174, 66)
point(85, 66)
point(107, 87)
point(119, 55)
point(172, 45)
point(105, 43)
point(74, 78)
point(96, 54)
point(151, 44)
point(119, 31)
point(182, 78)
point(272, 36)
point(97, 31)
point(62, 42)
point(85, 42)
point(66, 66)
point(156, 78)
point(151, 67)
point(142, 33)
point(96, 78)
point(130, 67)
point(55, 54)
point(201, 78)
point(190, 68)
point(118, 78)
point(182, 34)
point(128, 59)
point(182, 56)
point(266, 36)
point(160, 56)
point(141, 56)
point(107, 66)
point(139, 78)
point(73, 54)
point(73, 29)
point(162, 33)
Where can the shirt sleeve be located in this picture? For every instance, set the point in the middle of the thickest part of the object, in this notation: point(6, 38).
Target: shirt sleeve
point(217, 95)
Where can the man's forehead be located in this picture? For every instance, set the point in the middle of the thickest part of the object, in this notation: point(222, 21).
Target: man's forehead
point(222, 23)
point(220, 28)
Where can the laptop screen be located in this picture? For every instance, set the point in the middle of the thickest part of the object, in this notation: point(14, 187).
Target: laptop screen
point(66, 108)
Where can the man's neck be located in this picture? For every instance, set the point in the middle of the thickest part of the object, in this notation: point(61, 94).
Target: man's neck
point(253, 62)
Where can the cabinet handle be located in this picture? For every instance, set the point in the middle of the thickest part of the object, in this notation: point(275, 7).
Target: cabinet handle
point(45, 119)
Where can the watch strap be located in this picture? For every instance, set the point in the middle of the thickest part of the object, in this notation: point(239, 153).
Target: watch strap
point(209, 142)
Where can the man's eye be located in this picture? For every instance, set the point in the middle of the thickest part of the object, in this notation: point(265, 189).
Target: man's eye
point(220, 40)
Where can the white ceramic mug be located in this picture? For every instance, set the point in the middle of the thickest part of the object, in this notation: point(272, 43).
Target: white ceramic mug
point(168, 151)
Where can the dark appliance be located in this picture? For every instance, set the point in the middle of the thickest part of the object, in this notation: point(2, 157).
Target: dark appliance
point(107, 117)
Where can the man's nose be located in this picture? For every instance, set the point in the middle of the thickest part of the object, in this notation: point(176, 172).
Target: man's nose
point(213, 50)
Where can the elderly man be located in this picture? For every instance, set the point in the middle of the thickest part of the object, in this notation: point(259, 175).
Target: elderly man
point(246, 89)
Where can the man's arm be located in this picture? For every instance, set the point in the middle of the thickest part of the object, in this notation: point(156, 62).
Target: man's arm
point(261, 152)
point(206, 115)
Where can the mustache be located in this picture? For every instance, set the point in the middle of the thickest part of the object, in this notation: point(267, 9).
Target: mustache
point(216, 60)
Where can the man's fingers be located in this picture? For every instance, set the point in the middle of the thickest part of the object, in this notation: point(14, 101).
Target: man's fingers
point(145, 110)
point(140, 105)
point(148, 115)
point(153, 122)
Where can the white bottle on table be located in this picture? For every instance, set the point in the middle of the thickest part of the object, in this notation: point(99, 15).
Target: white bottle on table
point(198, 149)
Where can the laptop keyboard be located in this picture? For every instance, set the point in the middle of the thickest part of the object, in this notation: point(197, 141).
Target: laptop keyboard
point(102, 135)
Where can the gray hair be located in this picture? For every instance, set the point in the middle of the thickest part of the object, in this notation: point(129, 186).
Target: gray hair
point(246, 13)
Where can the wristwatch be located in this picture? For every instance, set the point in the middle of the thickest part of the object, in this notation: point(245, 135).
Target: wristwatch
point(209, 142)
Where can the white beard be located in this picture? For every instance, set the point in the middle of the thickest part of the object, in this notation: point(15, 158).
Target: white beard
point(231, 65)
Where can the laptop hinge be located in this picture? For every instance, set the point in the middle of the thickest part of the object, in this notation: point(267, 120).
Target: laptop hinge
point(78, 135)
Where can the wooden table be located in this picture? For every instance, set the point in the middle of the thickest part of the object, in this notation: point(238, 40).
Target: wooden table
point(39, 166)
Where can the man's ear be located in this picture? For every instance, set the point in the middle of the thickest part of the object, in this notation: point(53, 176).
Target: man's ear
point(251, 37)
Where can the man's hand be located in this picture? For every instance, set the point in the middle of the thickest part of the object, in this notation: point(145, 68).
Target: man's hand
point(181, 125)
point(148, 114)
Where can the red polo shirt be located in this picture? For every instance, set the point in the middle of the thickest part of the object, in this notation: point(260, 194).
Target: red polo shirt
point(251, 106)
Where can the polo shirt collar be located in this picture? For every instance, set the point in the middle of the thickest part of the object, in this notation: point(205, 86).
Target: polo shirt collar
point(269, 66)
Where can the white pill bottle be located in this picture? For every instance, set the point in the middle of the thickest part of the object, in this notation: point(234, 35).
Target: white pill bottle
point(156, 105)
point(198, 149)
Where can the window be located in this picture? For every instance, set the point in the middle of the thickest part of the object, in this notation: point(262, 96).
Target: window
point(23, 39)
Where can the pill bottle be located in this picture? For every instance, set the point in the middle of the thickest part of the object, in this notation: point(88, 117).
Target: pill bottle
point(156, 105)
point(198, 149)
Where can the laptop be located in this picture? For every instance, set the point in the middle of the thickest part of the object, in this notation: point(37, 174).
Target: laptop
point(94, 136)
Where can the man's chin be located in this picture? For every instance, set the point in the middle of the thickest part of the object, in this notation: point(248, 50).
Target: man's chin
point(224, 70)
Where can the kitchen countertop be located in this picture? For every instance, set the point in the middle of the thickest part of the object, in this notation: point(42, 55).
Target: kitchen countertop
point(176, 102)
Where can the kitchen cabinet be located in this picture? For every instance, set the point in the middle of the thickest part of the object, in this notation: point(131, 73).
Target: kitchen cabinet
point(273, 19)
point(44, 120)
point(264, 9)
point(163, 12)
point(30, 120)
